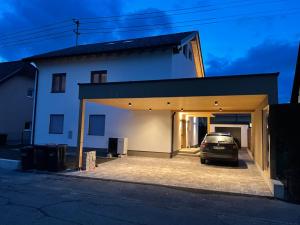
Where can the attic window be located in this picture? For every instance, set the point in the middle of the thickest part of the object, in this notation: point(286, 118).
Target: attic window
point(29, 92)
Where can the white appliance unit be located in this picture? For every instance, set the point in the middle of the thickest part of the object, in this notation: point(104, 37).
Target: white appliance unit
point(122, 146)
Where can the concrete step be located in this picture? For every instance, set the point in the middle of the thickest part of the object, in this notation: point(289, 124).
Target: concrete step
point(181, 154)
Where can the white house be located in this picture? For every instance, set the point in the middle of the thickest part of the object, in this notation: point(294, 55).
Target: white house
point(150, 90)
point(151, 58)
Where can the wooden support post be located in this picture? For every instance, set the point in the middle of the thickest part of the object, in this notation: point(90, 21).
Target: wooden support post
point(80, 135)
point(208, 124)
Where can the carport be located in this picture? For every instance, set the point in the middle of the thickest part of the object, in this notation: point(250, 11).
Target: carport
point(251, 94)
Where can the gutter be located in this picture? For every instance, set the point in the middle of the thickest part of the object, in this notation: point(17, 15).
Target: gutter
point(34, 105)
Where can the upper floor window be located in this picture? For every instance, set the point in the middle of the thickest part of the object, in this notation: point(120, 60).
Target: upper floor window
point(58, 83)
point(29, 92)
point(99, 76)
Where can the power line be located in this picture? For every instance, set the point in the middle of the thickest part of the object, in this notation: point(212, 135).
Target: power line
point(36, 28)
point(36, 32)
point(58, 26)
point(175, 26)
point(185, 21)
point(151, 27)
point(194, 9)
point(176, 10)
point(30, 42)
point(46, 36)
point(240, 16)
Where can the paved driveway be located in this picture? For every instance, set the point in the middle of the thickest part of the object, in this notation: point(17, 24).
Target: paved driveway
point(186, 172)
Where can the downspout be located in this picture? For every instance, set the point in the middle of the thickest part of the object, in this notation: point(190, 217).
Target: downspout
point(34, 103)
point(172, 135)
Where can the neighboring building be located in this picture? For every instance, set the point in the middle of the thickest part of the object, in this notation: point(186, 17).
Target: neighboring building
point(295, 98)
point(16, 100)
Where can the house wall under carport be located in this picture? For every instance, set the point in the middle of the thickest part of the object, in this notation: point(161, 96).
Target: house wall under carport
point(191, 131)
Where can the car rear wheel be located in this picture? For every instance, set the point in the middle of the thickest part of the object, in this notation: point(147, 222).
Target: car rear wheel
point(202, 161)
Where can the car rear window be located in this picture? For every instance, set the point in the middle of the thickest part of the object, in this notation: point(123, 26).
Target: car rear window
point(218, 139)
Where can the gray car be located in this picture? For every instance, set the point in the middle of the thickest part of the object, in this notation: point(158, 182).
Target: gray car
point(219, 146)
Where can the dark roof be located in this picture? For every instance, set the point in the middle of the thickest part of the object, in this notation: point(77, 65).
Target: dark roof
point(10, 69)
point(117, 46)
point(296, 85)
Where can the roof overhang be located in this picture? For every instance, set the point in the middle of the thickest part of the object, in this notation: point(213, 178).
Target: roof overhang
point(241, 93)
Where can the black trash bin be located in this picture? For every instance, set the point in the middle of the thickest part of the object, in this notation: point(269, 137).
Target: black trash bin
point(62, 156)
point(3, 139)
point(41, 157)
point(56, 157)
point(27, 158)
point(113, 146)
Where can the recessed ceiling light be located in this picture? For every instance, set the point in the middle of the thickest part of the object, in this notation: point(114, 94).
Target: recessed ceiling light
point(220, 109)
point(216, 103)
point(181, 109)
point(168, 103)
point(129, 104)
point(150, 109)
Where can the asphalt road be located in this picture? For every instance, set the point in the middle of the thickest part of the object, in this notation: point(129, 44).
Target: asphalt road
point(29, 198)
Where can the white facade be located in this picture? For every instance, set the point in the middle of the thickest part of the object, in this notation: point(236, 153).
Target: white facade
point(145, 130)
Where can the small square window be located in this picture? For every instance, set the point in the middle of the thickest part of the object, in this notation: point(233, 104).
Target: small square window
point(98, 77)
point(58, 83)
point(27, 126)
point(56, 125)
point(29, 92)
point(97, 125)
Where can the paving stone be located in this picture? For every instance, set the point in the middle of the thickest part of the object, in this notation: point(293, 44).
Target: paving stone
point(184, 172)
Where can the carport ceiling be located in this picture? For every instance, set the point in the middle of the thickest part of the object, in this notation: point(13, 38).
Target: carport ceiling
point(240, 103)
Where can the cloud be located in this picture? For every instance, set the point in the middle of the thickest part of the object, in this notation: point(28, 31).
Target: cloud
point(147, 25)
point(268, 56)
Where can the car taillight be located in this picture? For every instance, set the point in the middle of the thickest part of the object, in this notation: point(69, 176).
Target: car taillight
point(203, 146)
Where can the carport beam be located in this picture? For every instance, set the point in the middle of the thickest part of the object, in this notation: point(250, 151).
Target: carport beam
point(80, 135)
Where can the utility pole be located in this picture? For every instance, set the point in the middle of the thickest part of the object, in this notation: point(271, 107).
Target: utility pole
point(76, 31)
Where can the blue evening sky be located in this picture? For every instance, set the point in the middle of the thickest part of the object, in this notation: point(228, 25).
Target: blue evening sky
point(237, 37)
